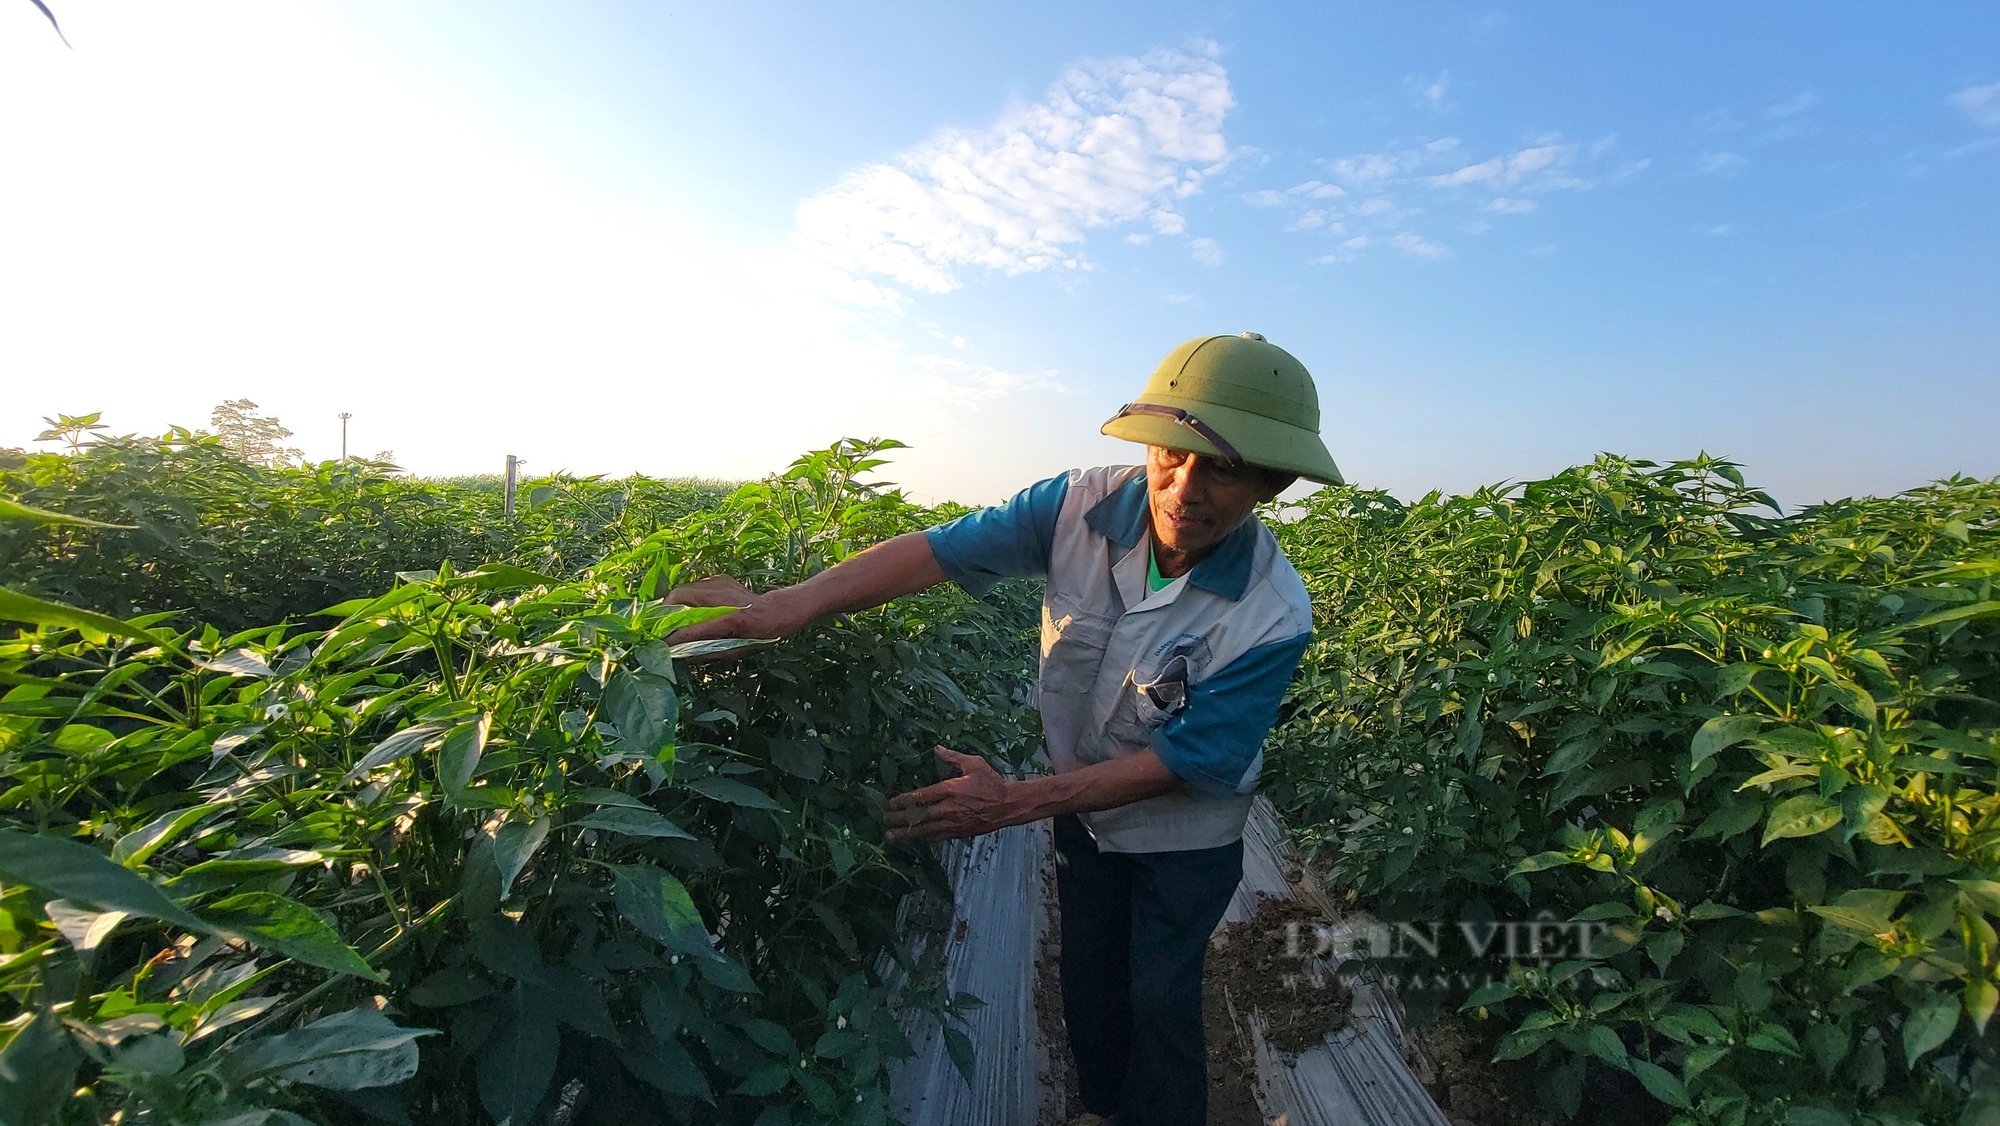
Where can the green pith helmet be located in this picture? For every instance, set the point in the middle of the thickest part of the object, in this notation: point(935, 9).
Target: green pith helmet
point(1238, 398)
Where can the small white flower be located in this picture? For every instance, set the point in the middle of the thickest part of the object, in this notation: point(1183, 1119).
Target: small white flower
point(1409, 830)
point(276, 712)
point(1664, 914)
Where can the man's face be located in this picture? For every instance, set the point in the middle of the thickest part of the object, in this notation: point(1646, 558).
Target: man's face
point(1195, 501)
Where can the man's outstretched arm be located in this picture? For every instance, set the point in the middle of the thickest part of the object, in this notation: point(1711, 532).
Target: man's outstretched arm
point(979, 800)
point(893, 568)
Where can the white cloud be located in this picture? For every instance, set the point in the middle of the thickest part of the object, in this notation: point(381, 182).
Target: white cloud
point(962, 382)
point(1379, 198)
point(1719, 230)
point(1207, 251)
point(1544, 250)
point(1719, 164)
point(1433, 92)
point(1265, 198)
point(1167, 221)
point(1417, 245)
point(1980, 103)
point(1792, 106)
point(1110, 143)
point(1507, 171)
point(1177, 298)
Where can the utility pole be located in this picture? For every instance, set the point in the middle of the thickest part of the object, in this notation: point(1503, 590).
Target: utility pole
point(344, 416)
point(513, 468)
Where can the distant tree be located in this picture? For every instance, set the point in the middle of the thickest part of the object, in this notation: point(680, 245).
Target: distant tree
point(70, 428)
point(256, 438)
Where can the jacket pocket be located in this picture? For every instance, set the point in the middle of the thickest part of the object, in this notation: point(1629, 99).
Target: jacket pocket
point(1073, 645)
point(1144, 705)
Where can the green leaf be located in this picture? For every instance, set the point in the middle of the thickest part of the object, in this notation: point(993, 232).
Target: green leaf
point(766, 1081)
point(643, 708)
point(453, 985)
point(399, 746)
point(727, 973)
point(663, 1062)
point(1827, 1040)
point(37, 1070)
point(770, 1036)
point(1521, 1042)
point(138, 846)
point(458, 758)
point(717, 647)
point(1540, 862)
point(1956, 614)
point(514, 844)
point(1603, 1043)
point(1573, 753)
point(18, 607)
point(518, 1061)
point(1815, 1116)
point(1721, 733)
point(350, 1050)
point(502, 576)
point(15, 510)
point(659, 906)
point(1664, 1085)
point(800, 758)
point(1490, 993)
point(1800, 816)
point(959, 1047)
point(632, 823)
point(1774, 1038)
point(78, 872)
point(237, 662)
point(733, 792)
point(1980, 998)
point(1737, 813)
point(275, 923)
point(1929, 1026)
point(1984, 893)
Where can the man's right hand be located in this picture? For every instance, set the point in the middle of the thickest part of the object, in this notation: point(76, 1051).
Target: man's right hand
point(762, 615)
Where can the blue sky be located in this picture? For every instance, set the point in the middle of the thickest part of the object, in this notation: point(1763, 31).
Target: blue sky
point(619, 237)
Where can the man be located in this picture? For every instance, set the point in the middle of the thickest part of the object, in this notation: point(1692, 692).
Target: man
point(1171, 625)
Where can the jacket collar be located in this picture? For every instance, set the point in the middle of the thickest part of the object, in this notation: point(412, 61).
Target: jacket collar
point(1121, 518)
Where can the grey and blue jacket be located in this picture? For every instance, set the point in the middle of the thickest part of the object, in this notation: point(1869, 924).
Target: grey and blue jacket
point(1194, 671)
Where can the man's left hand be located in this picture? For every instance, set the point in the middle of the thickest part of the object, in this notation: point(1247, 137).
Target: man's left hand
point(975, 802)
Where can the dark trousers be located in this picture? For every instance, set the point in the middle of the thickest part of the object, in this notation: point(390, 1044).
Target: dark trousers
point(1135, 930)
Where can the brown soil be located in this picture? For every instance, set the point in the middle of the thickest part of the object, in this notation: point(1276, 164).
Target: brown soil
point(1267, 963)
point(1470, 1090)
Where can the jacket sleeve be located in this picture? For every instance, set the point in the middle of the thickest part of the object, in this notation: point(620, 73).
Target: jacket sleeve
point(1009, 540)
point(1216, 743)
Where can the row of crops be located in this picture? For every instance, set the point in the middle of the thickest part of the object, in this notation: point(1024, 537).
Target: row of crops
point(1738, 774)
point(474, 845)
